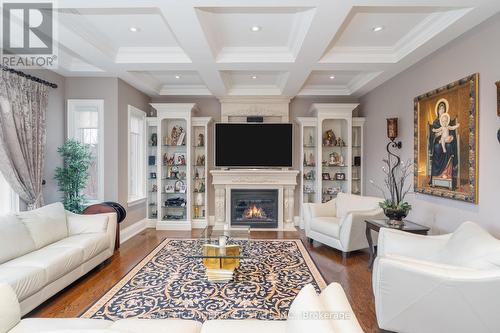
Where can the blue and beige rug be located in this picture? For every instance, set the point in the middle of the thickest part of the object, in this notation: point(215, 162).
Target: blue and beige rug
point(169, 284)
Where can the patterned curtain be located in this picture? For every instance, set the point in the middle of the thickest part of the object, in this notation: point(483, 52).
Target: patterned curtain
point(23, 104)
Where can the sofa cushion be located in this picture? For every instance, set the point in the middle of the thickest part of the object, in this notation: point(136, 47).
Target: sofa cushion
point(10, 312)
point(157, 326)
point(84, 224)
point(24, 280)
point(306, 313)
point(90, 244)
point(473, 247)
point(347, 203)
point(244, 326)
point(46, 225)
point(326, 225)
point(15, 238)
point(342, 316)
point(54, 261)
point(326, 209)
point(45, 325)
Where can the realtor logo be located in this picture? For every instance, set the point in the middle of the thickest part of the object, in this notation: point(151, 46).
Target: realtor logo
point(28, 34)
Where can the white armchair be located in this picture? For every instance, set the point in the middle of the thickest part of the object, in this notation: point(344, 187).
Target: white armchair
point(435, 284)
point(339, 223)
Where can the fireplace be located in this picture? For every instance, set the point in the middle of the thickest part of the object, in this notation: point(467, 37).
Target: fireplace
point(256, 208)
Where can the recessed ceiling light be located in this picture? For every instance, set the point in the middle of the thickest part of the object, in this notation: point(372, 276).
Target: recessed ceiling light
point(254, 77)
point(255, 28)
point(378, 28)
point(332, 77)
point(177, 76)
point(134, 29)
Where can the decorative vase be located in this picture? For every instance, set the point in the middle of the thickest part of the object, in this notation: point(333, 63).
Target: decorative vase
point(395, 216)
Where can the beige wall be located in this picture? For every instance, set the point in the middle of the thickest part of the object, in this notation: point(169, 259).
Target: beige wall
point(476, 51)
point(128, 95)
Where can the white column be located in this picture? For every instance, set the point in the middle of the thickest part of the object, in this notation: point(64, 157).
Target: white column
point(220, 199)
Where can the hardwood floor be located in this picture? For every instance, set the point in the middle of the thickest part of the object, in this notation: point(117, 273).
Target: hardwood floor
point(352, 273)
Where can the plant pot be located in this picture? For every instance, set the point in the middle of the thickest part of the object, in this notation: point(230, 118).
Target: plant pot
point(395, 216)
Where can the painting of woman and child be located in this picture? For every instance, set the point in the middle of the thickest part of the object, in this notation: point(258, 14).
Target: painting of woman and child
point(446, 134)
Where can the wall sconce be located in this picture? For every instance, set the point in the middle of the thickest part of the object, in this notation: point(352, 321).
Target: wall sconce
point(392, 132)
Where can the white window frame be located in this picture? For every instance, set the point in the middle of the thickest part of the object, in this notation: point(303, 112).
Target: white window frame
point(141, 198)
point(72, 105)
point(14, 200)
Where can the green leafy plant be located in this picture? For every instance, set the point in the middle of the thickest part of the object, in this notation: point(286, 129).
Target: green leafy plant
point(396, 189)
point(73, 175)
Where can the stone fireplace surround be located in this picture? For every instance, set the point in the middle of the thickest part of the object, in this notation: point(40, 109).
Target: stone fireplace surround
point(272, 109)
point(282, 180)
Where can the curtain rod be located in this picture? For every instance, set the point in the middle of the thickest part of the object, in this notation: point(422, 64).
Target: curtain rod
point(29, 77)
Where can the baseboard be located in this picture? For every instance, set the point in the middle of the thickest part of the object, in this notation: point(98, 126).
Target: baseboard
point(132, 230)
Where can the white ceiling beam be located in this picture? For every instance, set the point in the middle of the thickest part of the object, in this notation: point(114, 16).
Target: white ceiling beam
point(327, 19)
point(184, 23)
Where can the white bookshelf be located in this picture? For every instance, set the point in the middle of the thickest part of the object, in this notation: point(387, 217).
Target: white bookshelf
point(174, 165)
point(334, 156)
point(152, 166)
point(308, 163)
point(199, 162)
point(358, 125)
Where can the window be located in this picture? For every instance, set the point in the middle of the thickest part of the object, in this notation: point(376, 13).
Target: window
point(85, 124)
point(9, 200)
point(137, 157)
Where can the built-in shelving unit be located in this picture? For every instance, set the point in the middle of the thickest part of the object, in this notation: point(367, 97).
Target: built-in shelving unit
point(358, 125)
point(334, 149)
point(308, 141)
point(199, 162)
point(151, 176)
point(174, 165)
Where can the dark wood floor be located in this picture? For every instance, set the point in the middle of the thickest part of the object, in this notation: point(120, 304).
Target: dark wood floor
point(352, 273)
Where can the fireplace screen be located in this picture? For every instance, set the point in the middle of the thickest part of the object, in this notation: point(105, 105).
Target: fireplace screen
point(256, 208)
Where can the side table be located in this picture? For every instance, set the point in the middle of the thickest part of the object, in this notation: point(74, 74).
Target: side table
point(376, 224)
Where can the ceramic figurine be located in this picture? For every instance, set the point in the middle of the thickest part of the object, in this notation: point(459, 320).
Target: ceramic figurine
point(201, 140)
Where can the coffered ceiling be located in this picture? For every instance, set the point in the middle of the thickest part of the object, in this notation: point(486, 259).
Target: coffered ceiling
point(257, 47)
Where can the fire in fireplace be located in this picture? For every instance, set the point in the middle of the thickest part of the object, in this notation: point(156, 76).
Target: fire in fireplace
point(254, 212)
point(256, 208)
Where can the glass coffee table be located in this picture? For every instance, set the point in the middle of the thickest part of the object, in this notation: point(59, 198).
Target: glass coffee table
point(220, 251)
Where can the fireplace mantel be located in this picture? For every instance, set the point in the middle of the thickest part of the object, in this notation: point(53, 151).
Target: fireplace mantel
point(282, 180)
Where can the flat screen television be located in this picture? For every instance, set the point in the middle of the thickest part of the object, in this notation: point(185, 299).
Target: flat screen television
point(253, 145)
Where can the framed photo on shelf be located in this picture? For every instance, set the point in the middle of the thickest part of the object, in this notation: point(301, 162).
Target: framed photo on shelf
point(179, 159)
point(339, 176)
point(169, 189)
point(182, 188)
point(325, 176)
point(178, 185)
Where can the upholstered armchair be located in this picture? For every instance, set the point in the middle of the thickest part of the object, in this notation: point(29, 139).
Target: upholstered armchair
point(436, 284)
point(339, 223)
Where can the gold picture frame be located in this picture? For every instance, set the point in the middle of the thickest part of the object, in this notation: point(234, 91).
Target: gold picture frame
point(446, 139)
point(498, 97)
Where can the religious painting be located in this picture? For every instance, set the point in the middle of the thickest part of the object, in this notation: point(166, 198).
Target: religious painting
point(446, 141)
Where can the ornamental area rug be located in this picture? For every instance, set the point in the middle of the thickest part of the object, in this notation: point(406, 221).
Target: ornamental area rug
point(170, 284)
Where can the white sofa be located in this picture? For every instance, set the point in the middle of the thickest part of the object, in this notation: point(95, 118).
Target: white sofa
point(330, 312)
point(44, 250)
point(436, 284)
point(339, 223)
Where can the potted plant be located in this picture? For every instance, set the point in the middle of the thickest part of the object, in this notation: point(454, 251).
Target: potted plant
point(73, 175)
point(395, 207)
